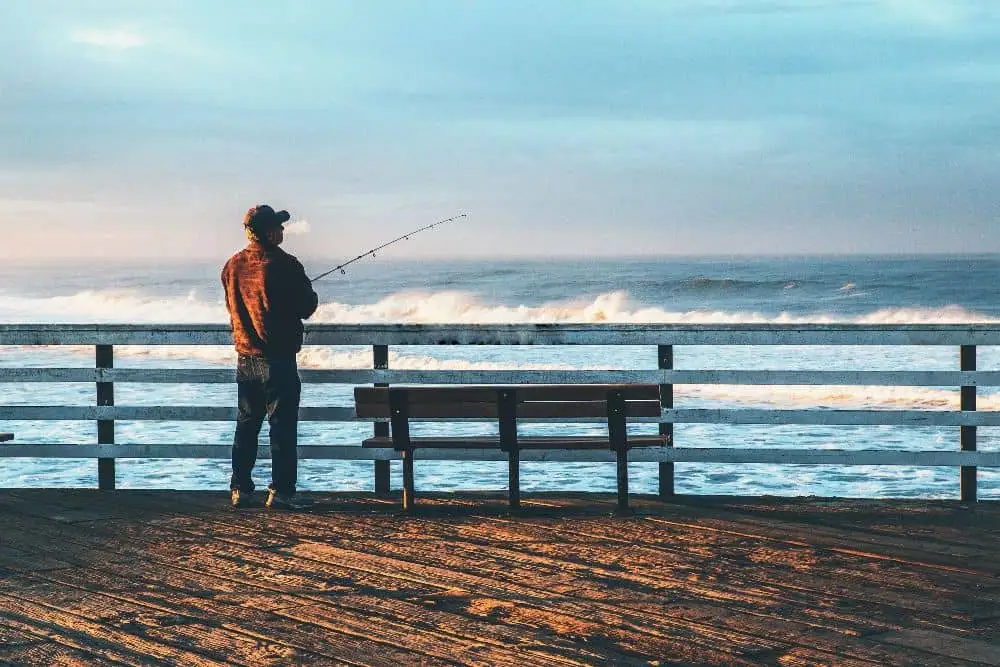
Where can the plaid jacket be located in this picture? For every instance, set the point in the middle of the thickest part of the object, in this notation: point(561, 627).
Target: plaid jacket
point(268, 295)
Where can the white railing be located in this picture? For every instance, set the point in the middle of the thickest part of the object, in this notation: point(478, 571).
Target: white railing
point(663, 337)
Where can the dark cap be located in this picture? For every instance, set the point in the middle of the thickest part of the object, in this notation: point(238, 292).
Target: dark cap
point(263, 217)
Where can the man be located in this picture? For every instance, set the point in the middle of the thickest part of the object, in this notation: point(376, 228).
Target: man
point(268, 295)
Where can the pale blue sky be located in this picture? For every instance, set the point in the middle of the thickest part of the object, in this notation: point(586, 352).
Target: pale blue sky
point(145, 129)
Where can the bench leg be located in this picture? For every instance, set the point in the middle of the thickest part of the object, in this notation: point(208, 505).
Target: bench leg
point(408, 497)
point(514, 479)
point(381, 478)
point(621, 460)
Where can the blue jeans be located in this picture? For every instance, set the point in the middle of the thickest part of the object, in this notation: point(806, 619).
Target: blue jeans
point(271, 388)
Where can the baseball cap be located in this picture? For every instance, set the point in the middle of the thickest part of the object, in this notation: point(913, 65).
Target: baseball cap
point(262, 217)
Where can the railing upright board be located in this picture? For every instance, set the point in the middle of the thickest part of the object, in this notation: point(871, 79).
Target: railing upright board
point(380, 361)
point(967, 362)
point(665, 360)
point(105, 427)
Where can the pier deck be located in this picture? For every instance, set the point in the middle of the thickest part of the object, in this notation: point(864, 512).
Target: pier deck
point(141, 577)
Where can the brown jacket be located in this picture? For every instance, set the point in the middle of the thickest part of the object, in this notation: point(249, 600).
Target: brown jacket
point(268, 295)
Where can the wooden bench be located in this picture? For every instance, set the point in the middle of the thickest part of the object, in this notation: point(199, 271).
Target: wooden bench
point(507, 404)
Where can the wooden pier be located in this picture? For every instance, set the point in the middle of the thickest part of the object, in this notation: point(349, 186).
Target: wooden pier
point(155, 577)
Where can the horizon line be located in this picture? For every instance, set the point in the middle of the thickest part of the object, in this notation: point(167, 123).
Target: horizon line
point(119, 260)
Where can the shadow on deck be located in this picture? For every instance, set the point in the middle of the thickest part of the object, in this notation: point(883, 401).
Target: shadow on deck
point(141, 577)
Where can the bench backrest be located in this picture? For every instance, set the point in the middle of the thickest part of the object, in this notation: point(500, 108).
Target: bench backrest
point(541, 401)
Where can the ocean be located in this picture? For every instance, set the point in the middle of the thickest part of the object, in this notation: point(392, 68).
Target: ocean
point(870, 290)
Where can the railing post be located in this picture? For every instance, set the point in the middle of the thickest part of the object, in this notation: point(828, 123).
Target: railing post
point(380, 354)
point(105, 427)
point(967, 362)
point(665, 361)
point(399, 412)
point(507, 422)
point(618, 437)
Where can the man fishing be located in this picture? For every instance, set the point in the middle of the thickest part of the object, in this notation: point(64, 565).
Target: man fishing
point(268, 295)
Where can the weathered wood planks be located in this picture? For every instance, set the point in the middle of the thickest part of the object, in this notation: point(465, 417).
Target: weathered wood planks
point(157, 577)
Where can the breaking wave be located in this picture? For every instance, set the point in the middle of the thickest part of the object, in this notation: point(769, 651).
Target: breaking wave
point(449, 306)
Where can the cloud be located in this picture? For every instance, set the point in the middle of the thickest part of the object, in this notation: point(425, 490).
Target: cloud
point(298, 227)
point(116, 39)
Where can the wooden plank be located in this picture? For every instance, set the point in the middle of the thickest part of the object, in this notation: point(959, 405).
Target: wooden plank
point(647, 449)
point(784, 574)
point(197, 633)
point(523, 442)
point(519, 334)
point(50, 375)
point(505, 538)
point(641, 630)
point(630, 583)
point(17, 559)
point(134, 645)
point(636, 638)
point(6, 437)
point(347, 601)
point(155, 413)
point(539, 650)
point(105, 427)
point(786, 456)
point(941, 644)
point(665, 473)
point(514, 377)
point(527, 410)
point(168, 375)
point(531, 411)
point(241, 603)
point(44, 653)
point(707, 376)
point(967, 434)
point(354, 561)
point(808, 554)
point(525, 393)
point(244, 616)
point(656, 592)
point(832, 417)
point(182, 451)
point(909, 555)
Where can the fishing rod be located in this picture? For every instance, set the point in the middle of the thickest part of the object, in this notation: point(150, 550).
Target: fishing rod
point(372, 252)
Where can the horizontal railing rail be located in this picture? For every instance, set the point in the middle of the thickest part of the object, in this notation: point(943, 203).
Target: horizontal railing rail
point(519, 334)
point(678, 416)
point(664, 337)
point(639, 376)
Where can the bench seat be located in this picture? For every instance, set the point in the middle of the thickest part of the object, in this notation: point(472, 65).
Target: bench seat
point(539, 442)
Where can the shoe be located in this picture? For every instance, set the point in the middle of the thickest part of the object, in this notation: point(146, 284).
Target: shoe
point(241, 498)
point(280, 501)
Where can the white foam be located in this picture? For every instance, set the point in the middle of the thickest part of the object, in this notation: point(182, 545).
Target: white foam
point(118, 306)
point(451, 306)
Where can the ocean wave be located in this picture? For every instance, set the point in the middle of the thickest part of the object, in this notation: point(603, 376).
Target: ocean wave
point(448, 307)
point(117, 306)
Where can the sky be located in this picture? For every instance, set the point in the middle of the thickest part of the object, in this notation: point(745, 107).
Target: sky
point(144, 130)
